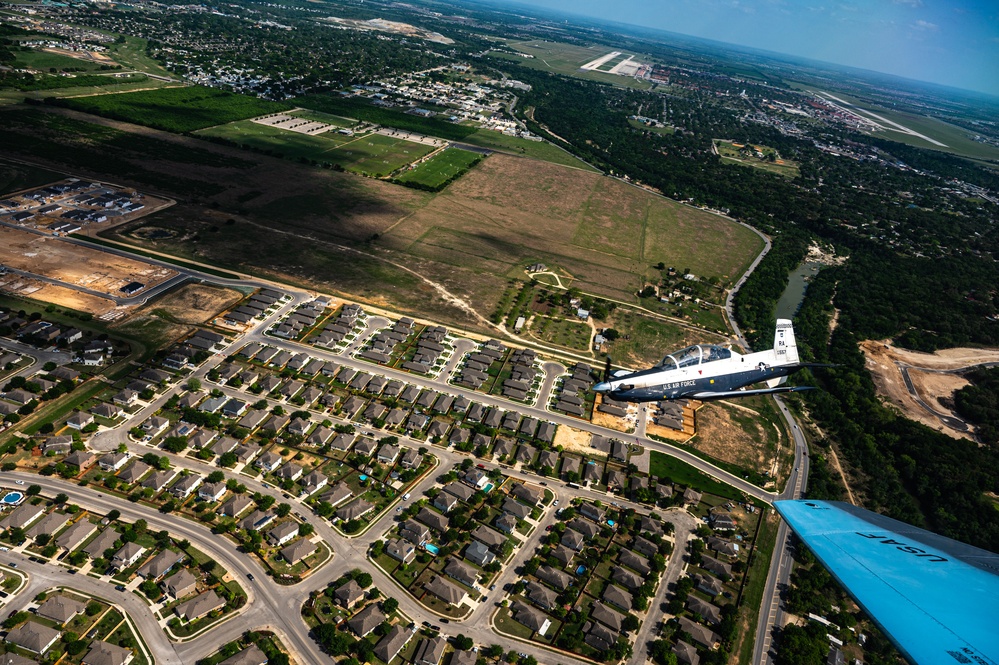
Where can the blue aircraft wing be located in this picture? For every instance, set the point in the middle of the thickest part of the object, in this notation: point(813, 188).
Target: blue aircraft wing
point(935, 598)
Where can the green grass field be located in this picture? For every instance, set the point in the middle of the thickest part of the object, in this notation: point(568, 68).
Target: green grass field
point(13, 96)
point(176, 109)
point(371, 154)
point(46, 61)
point(515, 145)
point(132, 54)
point(676, 471)
point(442, 168)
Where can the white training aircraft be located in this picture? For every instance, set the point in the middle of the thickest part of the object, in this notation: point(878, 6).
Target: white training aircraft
point(708, 371)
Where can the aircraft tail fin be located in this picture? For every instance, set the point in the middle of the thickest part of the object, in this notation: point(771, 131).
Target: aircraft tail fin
point(785, 348)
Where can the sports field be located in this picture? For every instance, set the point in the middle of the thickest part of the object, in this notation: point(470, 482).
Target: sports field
point(515, 145)
point(369, 154)
point(441, 168)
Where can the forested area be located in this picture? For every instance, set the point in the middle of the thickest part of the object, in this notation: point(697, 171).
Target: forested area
point(979, 403)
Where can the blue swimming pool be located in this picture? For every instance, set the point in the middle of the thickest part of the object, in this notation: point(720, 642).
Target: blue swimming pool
point(610, 522)
point(362, 477)
point(488, 488)
point(581, 570)
point(433, 549)
point(12, 498)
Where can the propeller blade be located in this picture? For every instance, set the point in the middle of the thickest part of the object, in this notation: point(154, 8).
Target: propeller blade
point(607, 369)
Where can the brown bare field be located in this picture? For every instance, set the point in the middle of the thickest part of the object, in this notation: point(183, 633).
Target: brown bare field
point(611, 422)
point(72, 299)
point(196, 303)
point(573, 440)
point(508, 212)
point(73, 264)
point(934, 389)
point(721, 437)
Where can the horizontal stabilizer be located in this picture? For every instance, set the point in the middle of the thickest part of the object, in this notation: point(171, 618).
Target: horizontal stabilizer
point(707, 396)
point(934, 597)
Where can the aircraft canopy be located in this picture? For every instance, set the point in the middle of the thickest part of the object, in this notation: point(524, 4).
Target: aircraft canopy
point(695, 355)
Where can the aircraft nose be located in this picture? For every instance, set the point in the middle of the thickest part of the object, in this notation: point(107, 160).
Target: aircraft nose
point(602, 387)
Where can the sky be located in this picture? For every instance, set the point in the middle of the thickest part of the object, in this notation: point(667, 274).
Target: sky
point(951, 43)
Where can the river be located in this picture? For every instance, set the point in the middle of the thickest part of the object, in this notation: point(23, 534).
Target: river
point(797, 284)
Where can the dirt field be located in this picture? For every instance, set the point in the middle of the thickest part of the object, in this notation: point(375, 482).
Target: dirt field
point(72, 264)
point(934, 389)
point(195, 303)
point(574, 440)
point(611, 422)
point(67, 297)
point(719, 436)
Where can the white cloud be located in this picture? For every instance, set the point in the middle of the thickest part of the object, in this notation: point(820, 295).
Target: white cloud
point(925, 26)
point(910, 3)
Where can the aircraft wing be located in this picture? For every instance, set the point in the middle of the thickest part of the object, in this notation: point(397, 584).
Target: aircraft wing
point(707, 395)
point(934, 597)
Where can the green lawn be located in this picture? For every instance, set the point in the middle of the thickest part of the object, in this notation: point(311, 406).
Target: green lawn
point(666, 466)
point(441, 169)
point(655, 130)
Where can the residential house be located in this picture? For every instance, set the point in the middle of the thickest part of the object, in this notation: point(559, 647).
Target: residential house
point(160, 565)
point(434, 520)
point(33, 636)
point(400, 549)
point(627, 578)
point(530, 617)
point(393, 642)
point(199, 606)
point(104, 653)
point(461, 572)
point(349, 594)
point(541, 595)
point(557, 578)
point(60, 608)
point(180, 584)
point(355, 510)
point(282, 533)
point(113, 461)
point(446, 591)
point(478, 553)
point(366, 620)
point(615, 595)
point(430, 651)
point(489, 537)
point(187, 484)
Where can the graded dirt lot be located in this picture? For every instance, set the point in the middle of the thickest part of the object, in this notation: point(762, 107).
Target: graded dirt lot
point(573, 440)
point(72, 264)
point(195, 303)
point(64, 297)
point(933, 388)
point(722, 437)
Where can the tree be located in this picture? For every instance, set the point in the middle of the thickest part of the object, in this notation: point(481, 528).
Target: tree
point(391, 605)
point(34, 490)
point(282, 510)
point(216, 477)
point(194, 384)
point(61, 498)
point(363, 579)
point(463, 643)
